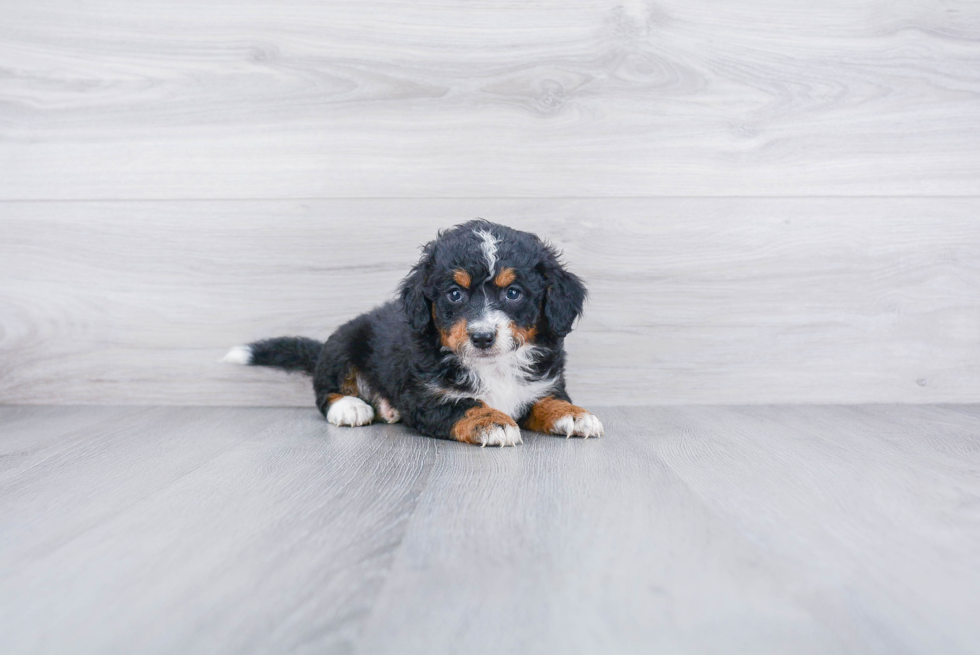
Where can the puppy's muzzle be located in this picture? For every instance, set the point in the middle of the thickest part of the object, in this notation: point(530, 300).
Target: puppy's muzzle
point(482, 339)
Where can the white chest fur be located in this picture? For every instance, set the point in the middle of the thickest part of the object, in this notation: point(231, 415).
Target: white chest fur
point(502, 382)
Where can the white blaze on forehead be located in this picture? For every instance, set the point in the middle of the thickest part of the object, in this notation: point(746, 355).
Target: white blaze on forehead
point(489, 248)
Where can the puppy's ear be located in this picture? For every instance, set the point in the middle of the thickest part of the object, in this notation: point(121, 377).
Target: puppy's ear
point(564, 297)
point(412, 291)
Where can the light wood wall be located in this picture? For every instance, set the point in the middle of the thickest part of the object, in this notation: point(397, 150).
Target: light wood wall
point(771, 201)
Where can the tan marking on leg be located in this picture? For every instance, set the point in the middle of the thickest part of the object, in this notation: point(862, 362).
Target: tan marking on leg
point(505, 277)
point(454, 337)
point(476, 421)
point(524, 335)
point(349, 386)
point(462, 278)
point(334, 397)
point(546, 411)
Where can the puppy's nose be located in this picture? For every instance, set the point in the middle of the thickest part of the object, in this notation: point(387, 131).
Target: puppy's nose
point(482, 340)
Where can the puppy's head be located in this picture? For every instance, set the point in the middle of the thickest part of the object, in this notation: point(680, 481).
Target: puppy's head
point(489, 290)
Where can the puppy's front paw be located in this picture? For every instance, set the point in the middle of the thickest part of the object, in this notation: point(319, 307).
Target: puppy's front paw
point(349, 410)
point(501, 435)
point(486, 426)
point(556, 416)
point(584, 425)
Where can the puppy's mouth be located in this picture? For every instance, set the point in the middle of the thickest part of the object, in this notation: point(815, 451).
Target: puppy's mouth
point(473, 353)
point(476, 353)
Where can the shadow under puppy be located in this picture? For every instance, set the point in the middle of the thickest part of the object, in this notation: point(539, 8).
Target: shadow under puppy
point(472, 348)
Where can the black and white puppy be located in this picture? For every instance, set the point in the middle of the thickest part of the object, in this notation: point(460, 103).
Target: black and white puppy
point(472, 348)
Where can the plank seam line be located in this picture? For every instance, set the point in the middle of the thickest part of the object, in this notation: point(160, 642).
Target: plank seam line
point(494, 198)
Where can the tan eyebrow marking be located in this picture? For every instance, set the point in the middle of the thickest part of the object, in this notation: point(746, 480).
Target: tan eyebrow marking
point(462, 278)
point(505, 277)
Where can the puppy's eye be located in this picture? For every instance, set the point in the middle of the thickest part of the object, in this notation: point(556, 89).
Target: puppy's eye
point(513, 293)
point(455, 295)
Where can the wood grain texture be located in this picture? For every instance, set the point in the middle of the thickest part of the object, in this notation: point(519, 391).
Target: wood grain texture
point(133, 534)
point(438, 98)
point(769, 529)
point(692, 300)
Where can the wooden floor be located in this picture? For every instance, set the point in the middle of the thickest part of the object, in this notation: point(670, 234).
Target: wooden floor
point(755, 529)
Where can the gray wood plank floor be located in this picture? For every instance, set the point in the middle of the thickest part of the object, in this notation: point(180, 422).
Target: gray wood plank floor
point(765, 529)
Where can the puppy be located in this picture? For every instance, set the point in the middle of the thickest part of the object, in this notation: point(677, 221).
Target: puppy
point(471, 349)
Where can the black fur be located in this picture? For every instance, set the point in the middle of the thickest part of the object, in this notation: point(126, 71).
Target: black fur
point(397, 349)
point(287, 353)
point(565, 295)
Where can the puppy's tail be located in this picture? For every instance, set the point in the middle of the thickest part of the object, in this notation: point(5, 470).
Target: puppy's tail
point(287, 353)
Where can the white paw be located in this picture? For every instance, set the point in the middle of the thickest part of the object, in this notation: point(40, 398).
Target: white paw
point(387, 413)
point(500, 435)
point(350, 411)
point(587, 425)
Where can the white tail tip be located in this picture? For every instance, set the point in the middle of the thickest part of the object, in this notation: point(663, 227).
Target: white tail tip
point(239, 355)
